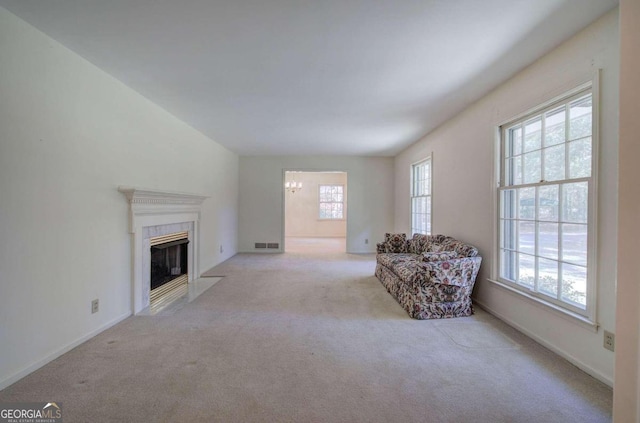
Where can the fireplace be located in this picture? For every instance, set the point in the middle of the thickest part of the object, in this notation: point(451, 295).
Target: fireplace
point(156, 218)
point(169, 263)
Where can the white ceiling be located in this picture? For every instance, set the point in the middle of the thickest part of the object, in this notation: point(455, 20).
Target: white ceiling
point(321, 77)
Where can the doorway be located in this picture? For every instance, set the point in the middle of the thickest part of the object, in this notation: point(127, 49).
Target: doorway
point(315, 211)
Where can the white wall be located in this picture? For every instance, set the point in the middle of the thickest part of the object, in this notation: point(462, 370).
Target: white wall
point(302, 207)
point(626, 392)
point(69, 136)
point(370, 197)
point(464, 186)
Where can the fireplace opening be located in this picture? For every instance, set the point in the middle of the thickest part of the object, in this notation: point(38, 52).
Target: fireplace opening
point(169, 263)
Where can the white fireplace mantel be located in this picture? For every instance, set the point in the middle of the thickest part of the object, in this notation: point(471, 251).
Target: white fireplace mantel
point(152, 208)
point(152, 202)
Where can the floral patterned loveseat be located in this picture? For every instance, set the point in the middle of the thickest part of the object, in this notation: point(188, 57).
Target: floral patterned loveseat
point(431, 276)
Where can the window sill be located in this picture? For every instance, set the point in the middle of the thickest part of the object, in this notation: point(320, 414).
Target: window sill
point(546, 305)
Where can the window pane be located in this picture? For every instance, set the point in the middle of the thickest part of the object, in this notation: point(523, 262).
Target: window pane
point(414, 179)
point(526, 270)
point(527, 237)
point(532, 134)
point(548, 240)
point(508, 265)
point(418, 205)
point(580, 158)
point(324, 211)
point(427, 180)
point(554, 127)
point(548, 202)
point(554, 163)
point(420, 214)
point(580, 118)
point(574, 244)
point(548, 277)
point(513, 171)
point(527, 203)
point(574, 284)
point(531, 164)
point(508, 237)
point(514, 143)
point(508, 201)
point(575, 202)
point(337, 211)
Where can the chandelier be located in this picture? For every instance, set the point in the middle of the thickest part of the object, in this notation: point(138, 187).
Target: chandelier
point(293, 186)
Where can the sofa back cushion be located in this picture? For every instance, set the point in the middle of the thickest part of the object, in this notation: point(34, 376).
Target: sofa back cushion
point(419, 243)
point(395, 243)
point(462, 248)
point(439, 243)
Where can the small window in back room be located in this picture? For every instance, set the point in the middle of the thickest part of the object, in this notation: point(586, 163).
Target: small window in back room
point(331, 201)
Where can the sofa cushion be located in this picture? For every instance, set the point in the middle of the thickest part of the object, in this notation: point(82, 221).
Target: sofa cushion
point(462, 248)
point(419, 243)
point(409, 271)
point(434, 248)
point(395, 243)
point(438, 239)
point(389, 260)
point(439, 256)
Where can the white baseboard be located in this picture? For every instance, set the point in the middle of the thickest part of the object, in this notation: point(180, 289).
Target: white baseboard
point(35, 366)
point(562, 353)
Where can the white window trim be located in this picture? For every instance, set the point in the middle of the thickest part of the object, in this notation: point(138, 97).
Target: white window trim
point(332, 219)
point(428, 158)
point(588, 317)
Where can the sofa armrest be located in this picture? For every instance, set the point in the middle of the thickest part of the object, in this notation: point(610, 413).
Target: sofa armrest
point(459, 271)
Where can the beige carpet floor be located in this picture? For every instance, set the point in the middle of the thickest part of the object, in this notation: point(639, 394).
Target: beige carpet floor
point(311, 338)
point(301, 245)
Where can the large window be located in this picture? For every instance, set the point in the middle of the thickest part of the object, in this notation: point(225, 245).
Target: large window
point(331, 201)
point(546, 196)
point(421, 197)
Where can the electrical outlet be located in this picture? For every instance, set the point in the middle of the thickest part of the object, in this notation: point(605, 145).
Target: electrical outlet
point(609, 341)
point(366, 241)
point(95, 306)
point(221, 249)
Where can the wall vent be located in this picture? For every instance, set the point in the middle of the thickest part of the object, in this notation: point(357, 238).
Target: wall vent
point(261, 245)
point(273, 245)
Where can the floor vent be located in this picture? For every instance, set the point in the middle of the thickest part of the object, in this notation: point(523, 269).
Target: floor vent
point(261, 245)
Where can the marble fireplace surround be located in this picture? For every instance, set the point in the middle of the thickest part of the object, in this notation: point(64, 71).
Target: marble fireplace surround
point(154, 213)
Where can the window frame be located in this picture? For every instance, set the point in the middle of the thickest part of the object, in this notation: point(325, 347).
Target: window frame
point(428, 159)
point(320, 202)
point(588, 314)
